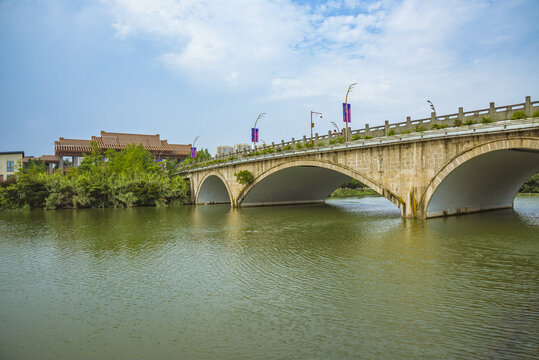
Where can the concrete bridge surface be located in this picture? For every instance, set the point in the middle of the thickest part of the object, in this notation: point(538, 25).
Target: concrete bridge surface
point(441, 172)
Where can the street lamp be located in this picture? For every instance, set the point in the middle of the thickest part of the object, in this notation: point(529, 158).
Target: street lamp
point(194, 149)
point(254, 130)
point(432, 107)
point(312, 124)
point(335, 126)
point(346, 107)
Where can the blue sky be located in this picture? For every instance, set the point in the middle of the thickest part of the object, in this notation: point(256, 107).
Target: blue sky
point(186, 68)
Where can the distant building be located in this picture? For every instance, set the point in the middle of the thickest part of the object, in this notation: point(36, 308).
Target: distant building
point(242, 147)
point(160, 149)
point(223, 150)
point(48, 160)
point(8, 163)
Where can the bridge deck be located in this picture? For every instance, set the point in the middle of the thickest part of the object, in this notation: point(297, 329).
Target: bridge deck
point(506, 126)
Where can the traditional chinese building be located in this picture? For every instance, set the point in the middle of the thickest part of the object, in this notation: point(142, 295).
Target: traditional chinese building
point(160, 149)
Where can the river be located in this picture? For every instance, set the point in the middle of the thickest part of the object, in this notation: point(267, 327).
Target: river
point(345, 280)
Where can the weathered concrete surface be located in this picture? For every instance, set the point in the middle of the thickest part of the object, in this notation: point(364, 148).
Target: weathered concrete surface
point(459, 173)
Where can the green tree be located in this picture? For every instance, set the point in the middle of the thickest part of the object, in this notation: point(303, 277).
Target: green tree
point(531, 185)
point(203, 155)
point(114, 179)
point(34, 166)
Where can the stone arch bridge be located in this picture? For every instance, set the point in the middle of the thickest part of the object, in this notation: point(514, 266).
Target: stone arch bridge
point(429, 174)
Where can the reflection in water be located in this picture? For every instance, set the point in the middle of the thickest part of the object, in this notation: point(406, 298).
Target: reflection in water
point(348, 279)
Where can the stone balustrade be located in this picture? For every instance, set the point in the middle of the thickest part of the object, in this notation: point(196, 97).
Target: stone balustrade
point(435, 121)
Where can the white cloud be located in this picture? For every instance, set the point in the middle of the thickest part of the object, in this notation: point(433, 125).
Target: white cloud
point(315, 52)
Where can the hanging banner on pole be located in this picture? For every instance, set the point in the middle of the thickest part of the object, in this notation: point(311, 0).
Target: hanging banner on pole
point(193, 152)
point(346, 115)
point(254, 135)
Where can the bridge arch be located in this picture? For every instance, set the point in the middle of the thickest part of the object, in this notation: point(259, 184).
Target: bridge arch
point(304, 181)
point(485, 177)
point(213, 189)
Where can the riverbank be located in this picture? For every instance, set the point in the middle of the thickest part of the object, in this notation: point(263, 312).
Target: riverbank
point(344, 193)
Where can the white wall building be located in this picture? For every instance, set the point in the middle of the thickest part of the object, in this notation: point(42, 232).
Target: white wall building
point(242, 147)
point(223, 150)
point(9, 162)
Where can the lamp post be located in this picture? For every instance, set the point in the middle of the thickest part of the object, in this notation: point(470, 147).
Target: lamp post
point(194, 149)
point(254, 129)
point(346, 107)
point(432, 107)
point(312, 124)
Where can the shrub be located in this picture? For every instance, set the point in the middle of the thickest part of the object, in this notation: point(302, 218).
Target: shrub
point(299, 146)
point(469, 122)
point(438, 126)
point(486, 120)
point(536, 114)
point(368, 137)
point(405, 132)
point(420, 128)
point(321, 143)
point(341, 140)
point(519, 115)
point(457, 122)
point(332, 141)
point(308, 145)
point(10, 197)
point(244, 177)
point(287, 147)
point(356, 137)
point(126, 179)
point(267, 151)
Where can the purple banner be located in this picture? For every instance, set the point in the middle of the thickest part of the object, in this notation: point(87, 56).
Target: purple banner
point(193, 152)
point(346, 115)
point(254, 135)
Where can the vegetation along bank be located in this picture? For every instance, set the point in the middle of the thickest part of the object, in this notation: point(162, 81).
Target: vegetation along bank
point(127, 178)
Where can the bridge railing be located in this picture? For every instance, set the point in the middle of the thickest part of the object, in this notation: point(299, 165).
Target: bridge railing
point(490, 114)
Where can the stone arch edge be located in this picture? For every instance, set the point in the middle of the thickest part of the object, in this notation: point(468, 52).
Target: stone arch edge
point(203, 180)
point(531, 143)
point(395, 199)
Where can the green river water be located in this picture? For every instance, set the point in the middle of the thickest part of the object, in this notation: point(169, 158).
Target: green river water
point(345, 280)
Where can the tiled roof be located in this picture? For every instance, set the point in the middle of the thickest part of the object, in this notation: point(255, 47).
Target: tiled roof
point(181, 149)
point(119, 141)
point(49, 158)
point(71, 145)
point(45, 158)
